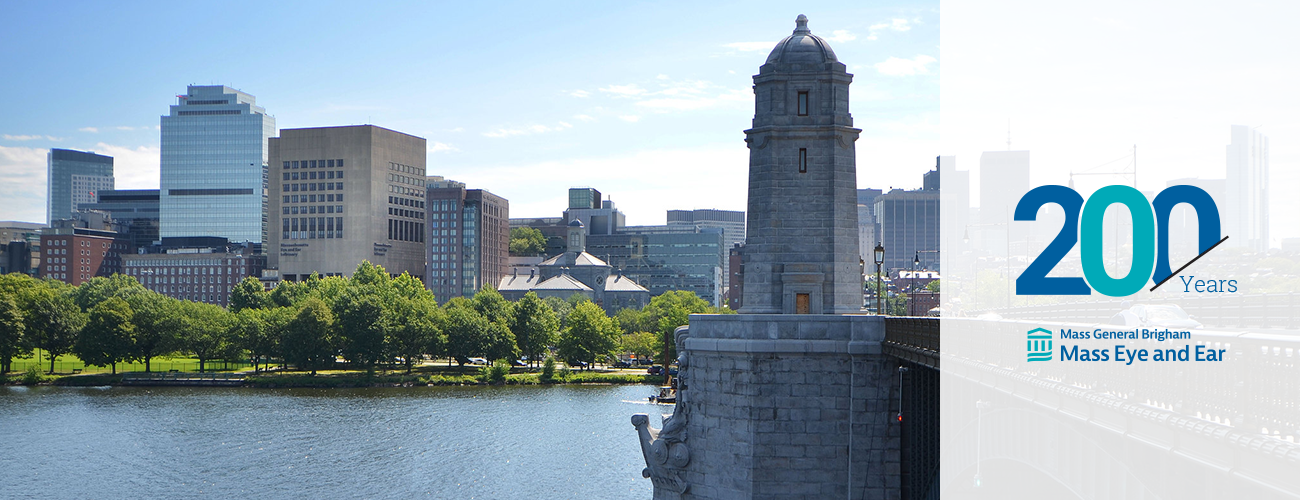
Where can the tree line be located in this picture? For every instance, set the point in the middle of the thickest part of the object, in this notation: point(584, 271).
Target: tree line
point(368, 320)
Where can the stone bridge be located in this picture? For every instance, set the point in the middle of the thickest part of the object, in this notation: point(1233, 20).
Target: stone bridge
point(847, 406)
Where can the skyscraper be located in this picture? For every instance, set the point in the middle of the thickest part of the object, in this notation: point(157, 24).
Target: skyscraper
point(214, 166)
point(343, 195)
point(1004, 179)
point(1245, 216)
point(75, 177)
point(469, 238)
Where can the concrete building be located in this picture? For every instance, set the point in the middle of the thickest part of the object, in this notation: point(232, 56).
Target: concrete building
point(909, 227)
point(577, 272)
point(75, 250)
point(75, 177)
point(605, 219)
point(213, 167)
point(199, 269)
point(135, 211)
point(343, 195)
point(1245, 208)
point(736, 273)
point(800, 248)
point(20, 247)
point(468, 241)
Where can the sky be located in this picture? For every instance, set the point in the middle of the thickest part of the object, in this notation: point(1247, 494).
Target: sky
point(646, 102)
point(1082, 84)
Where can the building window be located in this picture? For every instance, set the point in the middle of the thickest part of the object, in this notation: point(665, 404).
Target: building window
point(803, 160)
point(803, 103)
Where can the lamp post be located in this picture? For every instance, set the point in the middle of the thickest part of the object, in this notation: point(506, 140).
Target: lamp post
point(880, 259)
point(911, 285)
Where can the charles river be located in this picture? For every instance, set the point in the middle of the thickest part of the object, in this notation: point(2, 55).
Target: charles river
point(431, 442)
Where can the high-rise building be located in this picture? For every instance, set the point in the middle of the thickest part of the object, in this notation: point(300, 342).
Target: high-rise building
point(867, 237)
point(1004, 179)
point(909, 226)
point(584, 197)
point(75, 177)
point(1245, 211)
point(134, 211)
point(663, 261)
point(213, 171)
point(342, 195)
point(731, 222)
point(468, 240)
point(600, 218)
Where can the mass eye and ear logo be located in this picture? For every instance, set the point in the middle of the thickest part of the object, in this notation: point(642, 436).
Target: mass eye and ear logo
point(1039, 345)
point(1150, 237)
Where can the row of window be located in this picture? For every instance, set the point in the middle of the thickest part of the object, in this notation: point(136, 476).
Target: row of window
point(418, 193)
point(312, 198)
point(311, 228)
point(330, 174)
point(405, 230)
point(405, 180)
point(187, 262)
point(402, 212)
point(312, 186)
point(406, 169)
point(314, 164)
point(150, 280)
point(406, 202)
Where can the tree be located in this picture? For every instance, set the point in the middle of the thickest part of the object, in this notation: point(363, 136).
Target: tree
point(561, 307)
point(591, 335)
point(527, 242)
point(12, 343)
point(249, 294)
point(536, 326)
point(288, 293)
point(466, 333)
point(53, 322)
point(362, 326)
point(370, 274)
point(644, 344)
point(107, 336)
point(932, 286)
point(493, 306)
point(204, 330)
point(499, 342)
point(100, 288)
point(671, 310)
point(416, 329)
point(636, 320)
point(153, 316)
point(309, 339)
point(250, 330)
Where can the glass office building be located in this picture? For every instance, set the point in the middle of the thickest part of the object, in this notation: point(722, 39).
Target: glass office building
point(74, 178)
point(214, 166)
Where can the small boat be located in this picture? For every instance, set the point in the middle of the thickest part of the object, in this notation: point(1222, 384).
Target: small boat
point(667, 395)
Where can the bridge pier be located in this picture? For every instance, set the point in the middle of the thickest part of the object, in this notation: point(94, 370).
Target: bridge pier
point(781, 406)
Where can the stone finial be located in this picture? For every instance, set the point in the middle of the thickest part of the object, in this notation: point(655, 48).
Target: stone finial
point(801, 25)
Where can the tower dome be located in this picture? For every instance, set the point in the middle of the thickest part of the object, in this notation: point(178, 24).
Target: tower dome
point(802, 47)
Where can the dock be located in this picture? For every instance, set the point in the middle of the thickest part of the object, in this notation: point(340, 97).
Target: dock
point(184, 379)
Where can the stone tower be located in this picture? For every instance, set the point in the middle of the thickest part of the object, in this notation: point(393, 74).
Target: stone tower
point(801, 253)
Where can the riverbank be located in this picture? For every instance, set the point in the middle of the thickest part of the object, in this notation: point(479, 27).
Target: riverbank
point(359, 379)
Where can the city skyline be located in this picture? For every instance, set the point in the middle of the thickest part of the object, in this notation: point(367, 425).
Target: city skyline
point(643, 89)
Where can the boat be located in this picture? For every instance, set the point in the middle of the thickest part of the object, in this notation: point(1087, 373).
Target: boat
point(667, 395)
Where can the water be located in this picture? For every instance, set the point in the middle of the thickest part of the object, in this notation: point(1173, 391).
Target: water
point(444, 442)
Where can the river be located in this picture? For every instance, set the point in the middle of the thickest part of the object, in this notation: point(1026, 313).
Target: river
point(429, 442)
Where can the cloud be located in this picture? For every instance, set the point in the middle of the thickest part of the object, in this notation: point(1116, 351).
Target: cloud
point(893, 25)
point(692, 96)
point(750, 46)
point(527, 130)
point(628, 90)
point(842, 36)
point(133, 168)
point(895, 66)
point(580, 93)
point(92, 130)
point(125, 128)
point(22, 184)
point(31, 137)
point(585, 118)
point(661, 77)
point(439, 147)
point(630, 118)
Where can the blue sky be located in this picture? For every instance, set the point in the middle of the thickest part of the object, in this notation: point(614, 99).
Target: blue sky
point(645, 102)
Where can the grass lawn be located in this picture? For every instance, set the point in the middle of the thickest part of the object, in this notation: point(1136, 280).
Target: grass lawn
point(67, 363)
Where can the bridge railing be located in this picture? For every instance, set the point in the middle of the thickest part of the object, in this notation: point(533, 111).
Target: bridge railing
point(1256, 387)
point(914, 339)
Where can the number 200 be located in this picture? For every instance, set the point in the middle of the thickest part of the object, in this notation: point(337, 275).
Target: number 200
point(1149, 219)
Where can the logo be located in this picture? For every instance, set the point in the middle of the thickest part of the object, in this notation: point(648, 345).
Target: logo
point(1150, 237)
point(1039, 345)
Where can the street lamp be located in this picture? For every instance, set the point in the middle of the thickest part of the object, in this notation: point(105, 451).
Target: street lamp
point(911, 286)
point(880, 259)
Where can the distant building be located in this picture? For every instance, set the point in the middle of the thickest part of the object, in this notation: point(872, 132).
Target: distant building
point(469, 239)
point(75, 177)
point(200, 269)
point(1184, 232)
point(731, 222)
point(1004, 179)
point(213, 166)
point(75, 250)
point(867, 234)
point(20, 246)
point(666, 261)
point(134, 210)
point(600, 217)
point(577, 272)
point(584, 197)
point(554, 229)
point(909, 227)
point(343, 195)
point(1245, 211)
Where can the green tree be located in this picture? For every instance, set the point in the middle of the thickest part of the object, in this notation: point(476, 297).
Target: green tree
point(591, 335)
point(636, 320)
point(527, 242)
point(153, 316)
point(277, 321)
point(249, 294)
point(370, 274)
point(499, 342)
point(288, 293)
point(644, 344)
point(536, 326)
point(204, 330)
point(671, 310)
point(309, 339)
point(12, 343)
point(249, 331)
point(932, 286)
point(562, 309)
point(416, 329)
point(53, 321)
point(107, 336)
point(493, 306)
point(362, 326)
point(100, 288)
point(466, 333)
